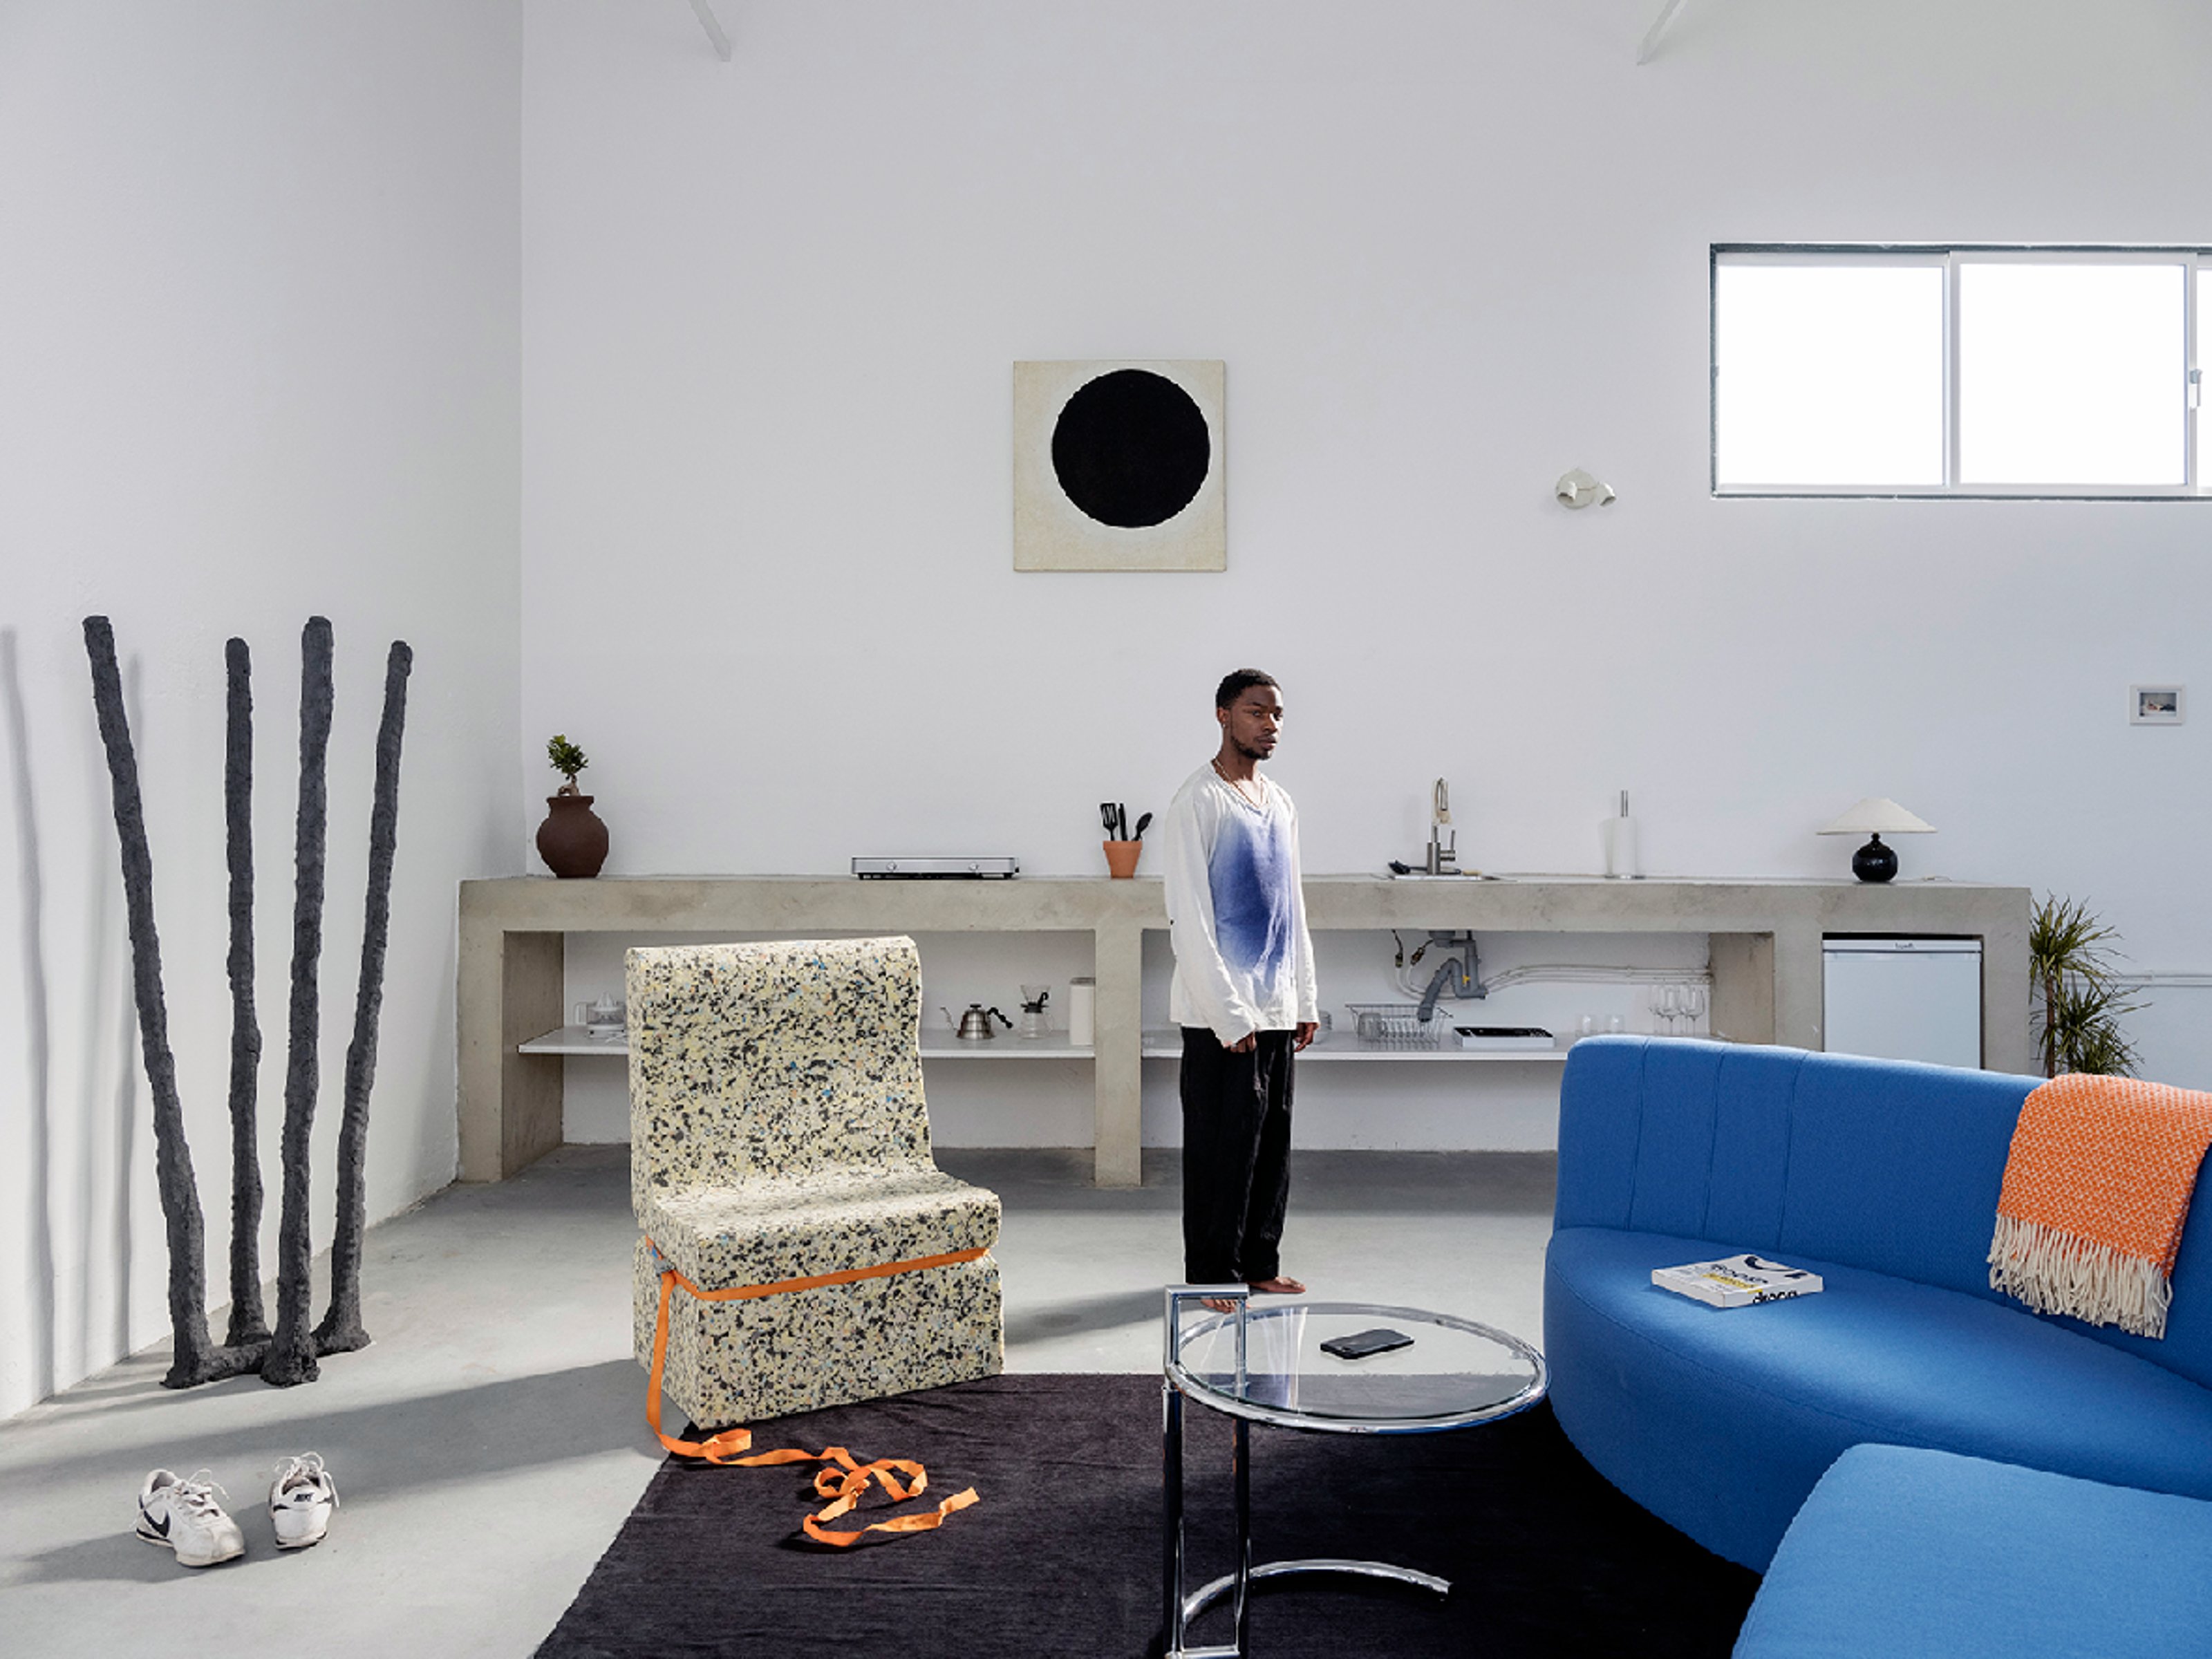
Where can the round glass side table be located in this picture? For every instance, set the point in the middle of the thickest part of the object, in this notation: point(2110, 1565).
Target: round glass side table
point(1273, 1363)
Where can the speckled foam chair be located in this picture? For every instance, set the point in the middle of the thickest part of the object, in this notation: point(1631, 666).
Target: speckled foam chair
point(778, 1132)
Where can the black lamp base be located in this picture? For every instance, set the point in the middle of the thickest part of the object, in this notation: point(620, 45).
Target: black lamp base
point(1874, 861)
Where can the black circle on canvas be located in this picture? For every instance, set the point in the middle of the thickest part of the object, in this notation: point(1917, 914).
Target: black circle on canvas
point(1131, 448)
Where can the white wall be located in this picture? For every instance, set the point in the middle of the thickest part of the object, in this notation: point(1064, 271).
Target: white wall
point(1447, 250)
point(259, 352)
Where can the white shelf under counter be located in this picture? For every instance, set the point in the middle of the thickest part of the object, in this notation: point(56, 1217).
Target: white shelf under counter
point(1166, 1043)
point(935, 1045)
point(574, 1040)
point(1053, 1045)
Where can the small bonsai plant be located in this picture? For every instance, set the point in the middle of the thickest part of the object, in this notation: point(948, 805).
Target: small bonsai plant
point(567, 759)
point(572, 841)
point(2078, 999)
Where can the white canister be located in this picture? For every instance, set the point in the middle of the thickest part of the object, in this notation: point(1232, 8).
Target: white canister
point(1082, 1008)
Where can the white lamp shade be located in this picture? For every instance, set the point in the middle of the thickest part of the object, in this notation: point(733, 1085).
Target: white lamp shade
point(1877, 815)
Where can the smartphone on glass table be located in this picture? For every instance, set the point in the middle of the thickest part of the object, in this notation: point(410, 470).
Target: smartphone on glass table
point(1361, 1344)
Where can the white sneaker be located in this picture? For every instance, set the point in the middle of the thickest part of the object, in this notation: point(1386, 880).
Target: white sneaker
point(301, 1500)
point(184, 1516)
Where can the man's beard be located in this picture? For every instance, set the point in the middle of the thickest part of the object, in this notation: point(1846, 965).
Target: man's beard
point(1250, 754)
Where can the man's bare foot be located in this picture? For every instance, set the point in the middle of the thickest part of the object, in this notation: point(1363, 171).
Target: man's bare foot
point(1218, 1303)
point(1278, 1285)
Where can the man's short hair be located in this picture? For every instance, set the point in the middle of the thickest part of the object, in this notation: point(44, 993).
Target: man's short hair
point(1236, 685)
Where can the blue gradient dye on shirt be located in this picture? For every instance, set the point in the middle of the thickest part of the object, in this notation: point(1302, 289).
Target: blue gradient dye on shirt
point(1249, 874)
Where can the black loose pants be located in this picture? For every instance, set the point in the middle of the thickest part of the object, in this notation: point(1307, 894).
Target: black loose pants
point(1235, 1157)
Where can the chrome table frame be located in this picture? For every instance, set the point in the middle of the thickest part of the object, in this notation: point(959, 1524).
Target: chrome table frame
point(1181, 1606)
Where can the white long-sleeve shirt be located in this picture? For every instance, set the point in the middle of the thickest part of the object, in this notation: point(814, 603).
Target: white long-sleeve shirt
point(1236, 913)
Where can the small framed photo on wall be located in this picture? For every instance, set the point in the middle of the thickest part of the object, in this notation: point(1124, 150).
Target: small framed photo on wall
point(2157, 705)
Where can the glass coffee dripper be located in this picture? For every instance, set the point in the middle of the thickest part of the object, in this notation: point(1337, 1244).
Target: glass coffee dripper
point(1034, 998)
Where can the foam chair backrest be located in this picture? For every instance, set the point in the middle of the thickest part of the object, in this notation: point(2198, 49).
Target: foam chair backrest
point(750, 1062)
point(1872, 1164)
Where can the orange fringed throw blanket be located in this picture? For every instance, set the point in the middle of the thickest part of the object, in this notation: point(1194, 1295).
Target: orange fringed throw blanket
point(2095, 1192)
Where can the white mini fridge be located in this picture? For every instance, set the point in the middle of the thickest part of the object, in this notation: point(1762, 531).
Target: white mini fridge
point(1904, 999)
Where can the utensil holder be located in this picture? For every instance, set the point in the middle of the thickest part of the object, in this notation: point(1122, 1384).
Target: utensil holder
point(1122, 858)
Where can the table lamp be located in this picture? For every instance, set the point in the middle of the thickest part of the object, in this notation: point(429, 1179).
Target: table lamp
point(1875, 817)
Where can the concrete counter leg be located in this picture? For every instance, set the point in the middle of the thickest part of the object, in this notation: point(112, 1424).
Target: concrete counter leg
point(1117, 1119)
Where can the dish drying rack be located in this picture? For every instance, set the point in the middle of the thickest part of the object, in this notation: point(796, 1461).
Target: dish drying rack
point(1395, 1025)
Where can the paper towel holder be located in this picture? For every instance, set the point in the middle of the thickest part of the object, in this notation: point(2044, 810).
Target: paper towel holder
point(1617, 840)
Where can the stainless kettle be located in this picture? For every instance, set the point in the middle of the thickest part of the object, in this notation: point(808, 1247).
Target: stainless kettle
point(974, 1025)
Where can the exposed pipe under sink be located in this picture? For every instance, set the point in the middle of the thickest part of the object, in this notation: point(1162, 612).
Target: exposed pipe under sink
point(1457, 971)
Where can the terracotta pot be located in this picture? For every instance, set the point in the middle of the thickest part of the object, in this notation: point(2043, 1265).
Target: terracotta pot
point(572, 841)
point(1122, 858)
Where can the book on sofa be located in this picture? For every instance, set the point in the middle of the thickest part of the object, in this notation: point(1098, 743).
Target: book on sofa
point(1736, 1281)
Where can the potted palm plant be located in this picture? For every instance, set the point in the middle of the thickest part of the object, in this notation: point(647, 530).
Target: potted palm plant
point(2078, 999)
point(572, 841)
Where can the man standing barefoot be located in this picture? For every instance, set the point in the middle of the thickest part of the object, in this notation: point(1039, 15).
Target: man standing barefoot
point(1243, 992)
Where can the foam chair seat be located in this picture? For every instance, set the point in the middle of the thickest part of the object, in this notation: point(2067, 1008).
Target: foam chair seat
point(779, 1132)
point(1719, 1421)
point(761, 1232)
point(1913, 1554)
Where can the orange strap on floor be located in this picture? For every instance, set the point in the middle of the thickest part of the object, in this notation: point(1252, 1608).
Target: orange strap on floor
point(846, 1481)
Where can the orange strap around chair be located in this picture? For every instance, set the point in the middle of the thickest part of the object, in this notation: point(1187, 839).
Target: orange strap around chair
point(847, 1481)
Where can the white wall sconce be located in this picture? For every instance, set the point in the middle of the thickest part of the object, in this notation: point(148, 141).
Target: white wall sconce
point(1579, 489)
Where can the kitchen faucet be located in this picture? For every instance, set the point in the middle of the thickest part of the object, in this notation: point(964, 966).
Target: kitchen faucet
point(1443, 854)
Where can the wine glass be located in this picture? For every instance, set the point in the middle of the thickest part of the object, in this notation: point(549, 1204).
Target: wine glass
point(1694, 1004)
point(1665, 1003)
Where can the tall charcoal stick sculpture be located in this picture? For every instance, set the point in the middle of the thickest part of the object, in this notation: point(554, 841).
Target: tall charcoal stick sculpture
point(340, 1331)
point(248, 1323)
point(196, 1359)
point(292, 1352)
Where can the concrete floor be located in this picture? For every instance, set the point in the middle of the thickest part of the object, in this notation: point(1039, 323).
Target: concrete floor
point(490, 1442)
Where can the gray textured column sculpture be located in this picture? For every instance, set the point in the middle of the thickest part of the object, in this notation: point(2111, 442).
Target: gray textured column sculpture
point(341, 1330)
point(292, 1352)
point(248, 1322)
point(196, 1359)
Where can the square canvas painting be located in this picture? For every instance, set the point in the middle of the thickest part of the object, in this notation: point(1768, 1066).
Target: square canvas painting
point(1118, 465)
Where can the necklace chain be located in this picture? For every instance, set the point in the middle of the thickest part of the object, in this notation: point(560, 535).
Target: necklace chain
point(1238, 784)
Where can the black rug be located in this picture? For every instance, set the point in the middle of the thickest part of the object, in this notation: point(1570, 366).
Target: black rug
point(1062, 1558)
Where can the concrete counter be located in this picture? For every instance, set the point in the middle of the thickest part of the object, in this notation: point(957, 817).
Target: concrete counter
point(1766, 952)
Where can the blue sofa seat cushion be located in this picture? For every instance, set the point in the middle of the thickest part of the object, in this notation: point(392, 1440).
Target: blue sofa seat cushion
point(1720, 1421)
point(1904, 1552)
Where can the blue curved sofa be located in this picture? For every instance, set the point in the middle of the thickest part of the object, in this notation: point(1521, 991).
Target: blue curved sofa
point(1904, 1553)
point(1882, 1177)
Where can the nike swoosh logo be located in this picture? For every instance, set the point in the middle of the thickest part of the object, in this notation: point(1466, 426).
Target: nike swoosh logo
point(160, 1526)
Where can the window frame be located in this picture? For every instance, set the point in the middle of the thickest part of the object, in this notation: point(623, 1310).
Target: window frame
point(1949, 257)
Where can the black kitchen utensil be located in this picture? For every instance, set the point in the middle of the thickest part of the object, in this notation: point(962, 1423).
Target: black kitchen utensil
point(1106, 816)
point(1142, 823)
point(1120, 820)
